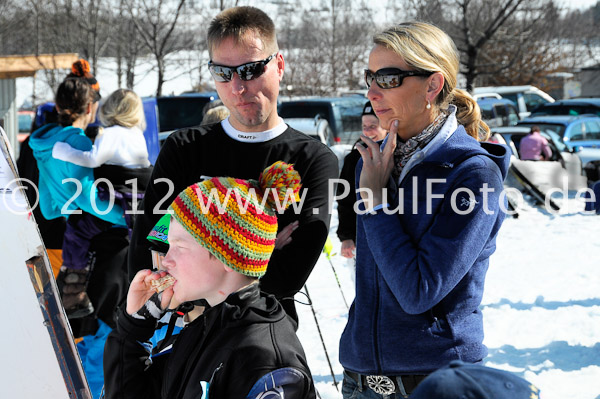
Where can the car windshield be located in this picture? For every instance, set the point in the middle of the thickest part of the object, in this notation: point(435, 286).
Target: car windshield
point(556, 139)
point(487, 111)
point(303, 110)
point(25, 122)
point(352, 116)
point(180, 112)
point(564, 109)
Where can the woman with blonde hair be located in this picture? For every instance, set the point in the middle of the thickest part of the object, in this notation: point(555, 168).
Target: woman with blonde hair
point(119, 155)
point(430, 210)
point(121, 143)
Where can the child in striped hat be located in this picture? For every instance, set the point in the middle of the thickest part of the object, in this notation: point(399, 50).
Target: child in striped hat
point(239, 341)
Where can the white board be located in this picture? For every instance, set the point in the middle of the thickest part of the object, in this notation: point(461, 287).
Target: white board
point(39, 356)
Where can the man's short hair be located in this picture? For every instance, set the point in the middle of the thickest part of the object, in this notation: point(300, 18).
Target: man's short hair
point(240, 22)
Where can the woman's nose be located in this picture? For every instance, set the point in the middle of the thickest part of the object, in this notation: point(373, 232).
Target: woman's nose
point(374, 92)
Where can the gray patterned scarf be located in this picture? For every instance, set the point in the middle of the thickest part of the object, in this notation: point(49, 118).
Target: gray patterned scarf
point(405, 150)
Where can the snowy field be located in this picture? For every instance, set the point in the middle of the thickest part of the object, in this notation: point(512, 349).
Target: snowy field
point(541, 304)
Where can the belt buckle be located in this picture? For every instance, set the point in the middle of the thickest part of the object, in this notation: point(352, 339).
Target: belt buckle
point(381, 384)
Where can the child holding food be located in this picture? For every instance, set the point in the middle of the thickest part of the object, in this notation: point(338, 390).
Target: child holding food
point(238, 342)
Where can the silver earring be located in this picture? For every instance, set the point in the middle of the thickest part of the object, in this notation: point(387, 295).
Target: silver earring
point(428, 105)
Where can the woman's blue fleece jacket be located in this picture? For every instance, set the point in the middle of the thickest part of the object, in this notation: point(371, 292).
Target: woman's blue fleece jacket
point(58, 198)
point(420, 273)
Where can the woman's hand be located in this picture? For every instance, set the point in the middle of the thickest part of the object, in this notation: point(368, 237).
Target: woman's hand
point(377, 167)
point(141, 290)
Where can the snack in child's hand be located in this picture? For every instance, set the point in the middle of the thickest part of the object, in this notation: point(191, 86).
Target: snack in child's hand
point(162, 283)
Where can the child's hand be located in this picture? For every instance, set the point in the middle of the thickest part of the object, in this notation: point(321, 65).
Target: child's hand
point(140, 291)
point(284, 237)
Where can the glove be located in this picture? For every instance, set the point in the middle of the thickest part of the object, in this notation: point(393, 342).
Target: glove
point(151, 309)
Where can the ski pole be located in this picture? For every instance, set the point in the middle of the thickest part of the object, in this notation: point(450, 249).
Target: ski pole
point(327, 250)
point(312, 308)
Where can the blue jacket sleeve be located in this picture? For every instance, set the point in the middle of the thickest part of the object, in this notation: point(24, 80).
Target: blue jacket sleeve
point(88, 199)
point(50, 209)
point(89, 192)
point(421, 271)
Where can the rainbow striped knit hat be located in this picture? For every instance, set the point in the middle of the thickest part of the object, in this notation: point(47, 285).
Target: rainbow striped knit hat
point(236, 219)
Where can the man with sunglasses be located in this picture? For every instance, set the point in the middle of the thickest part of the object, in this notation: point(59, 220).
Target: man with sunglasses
point(247, 68)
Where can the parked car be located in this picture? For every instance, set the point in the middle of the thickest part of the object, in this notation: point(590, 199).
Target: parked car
point(512, 135)
point(316, 127)
point(548, 174)
point(572, 106)
point(580, 130)
point(26, 119)
point(525, 98)
point(342, 113)
point(576, 133)
point(177, 112)
point(498, 112)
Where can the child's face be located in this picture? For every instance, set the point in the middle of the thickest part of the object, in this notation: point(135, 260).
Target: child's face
point(198, 275)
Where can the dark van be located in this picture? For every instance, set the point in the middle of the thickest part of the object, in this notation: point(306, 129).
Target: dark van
point(342, 113)
point(176, 112)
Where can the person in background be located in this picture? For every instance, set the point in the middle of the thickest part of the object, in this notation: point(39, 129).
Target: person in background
point(346, 230)
point(76, 103)
point(53, 230)
point(121, 144)
point(423, 244)
point(89, 295)
point(122, 140)
point(215, 115)
point(464, 380)
point(247, 69)
point(534, 146)
point(238, 342)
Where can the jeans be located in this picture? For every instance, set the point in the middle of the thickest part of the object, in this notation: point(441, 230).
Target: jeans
point(355, 390)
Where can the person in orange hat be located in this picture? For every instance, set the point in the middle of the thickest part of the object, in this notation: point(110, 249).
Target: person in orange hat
point(81, 69)
point(67, 189)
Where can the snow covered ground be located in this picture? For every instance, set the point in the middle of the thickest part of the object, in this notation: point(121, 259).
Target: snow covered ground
point(541, 304)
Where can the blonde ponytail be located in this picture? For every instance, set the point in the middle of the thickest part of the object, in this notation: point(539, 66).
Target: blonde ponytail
point(468, 114)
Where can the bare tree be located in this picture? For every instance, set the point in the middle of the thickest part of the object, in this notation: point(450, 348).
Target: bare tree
point(126, 45)
point(94, 35)
point(223, 4)
point(581, 33)
point(13, 20)
point(156, 22)
point(496, 38)
point(323, 57)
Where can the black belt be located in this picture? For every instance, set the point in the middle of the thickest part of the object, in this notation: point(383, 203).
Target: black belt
point(386, 385)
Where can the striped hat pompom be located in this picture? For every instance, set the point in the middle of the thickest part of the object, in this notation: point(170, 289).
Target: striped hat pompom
point(280, 182)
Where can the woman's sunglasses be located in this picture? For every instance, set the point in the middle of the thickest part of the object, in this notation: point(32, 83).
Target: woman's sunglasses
point(248, 71)
point(389, 78)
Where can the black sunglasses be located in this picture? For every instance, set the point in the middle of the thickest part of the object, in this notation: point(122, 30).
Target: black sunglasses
point(389, 78)
point(248, 71)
